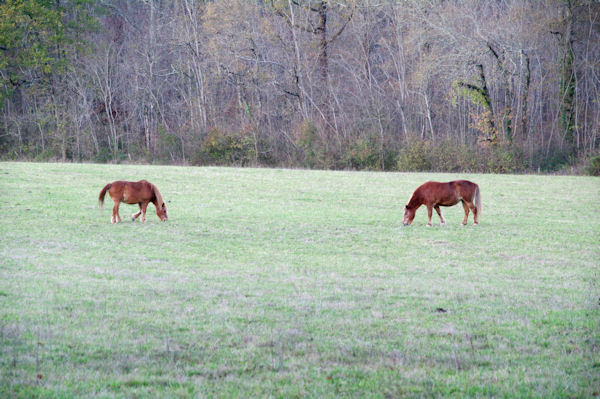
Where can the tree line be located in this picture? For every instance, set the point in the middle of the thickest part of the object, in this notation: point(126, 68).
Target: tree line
point(448, 85)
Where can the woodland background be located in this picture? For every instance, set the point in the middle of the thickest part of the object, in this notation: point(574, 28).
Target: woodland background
point(491, 86)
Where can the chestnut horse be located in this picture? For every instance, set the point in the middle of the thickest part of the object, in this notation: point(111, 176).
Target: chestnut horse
point(433, 195)
point(141, 192)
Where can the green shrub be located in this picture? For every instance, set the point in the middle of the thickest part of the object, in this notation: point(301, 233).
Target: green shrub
point(104, 155)
point(503, 158)
point(415, 157)
point(449, 156)
point(169, 144)
point(593, 168)
point(313, 148)
point(221, 148)
point(364, 153)
point(553, 160)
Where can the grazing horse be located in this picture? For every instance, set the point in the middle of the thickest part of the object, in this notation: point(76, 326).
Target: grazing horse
point(141, 192)
point(433, 195)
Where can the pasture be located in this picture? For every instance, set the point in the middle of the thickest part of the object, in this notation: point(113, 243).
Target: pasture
point(293, 283)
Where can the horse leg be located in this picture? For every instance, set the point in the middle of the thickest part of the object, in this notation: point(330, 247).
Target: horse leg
point(138, 213)
point(143, 210)
point(475, 216)
point(429, 214)
point(439, 212)
point(115, 214)
point(466, 208)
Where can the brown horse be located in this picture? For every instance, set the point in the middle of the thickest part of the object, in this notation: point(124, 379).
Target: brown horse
point(141, 192)
point(433, 195)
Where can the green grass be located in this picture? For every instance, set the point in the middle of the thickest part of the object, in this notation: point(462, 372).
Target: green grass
point(289, 283)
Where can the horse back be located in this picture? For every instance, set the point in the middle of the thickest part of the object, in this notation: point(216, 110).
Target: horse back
point(437, 193)
point(465, 188)
point(132, 192)
point(446, 194)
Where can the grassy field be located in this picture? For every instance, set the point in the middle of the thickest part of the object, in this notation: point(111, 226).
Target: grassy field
point(290, 283)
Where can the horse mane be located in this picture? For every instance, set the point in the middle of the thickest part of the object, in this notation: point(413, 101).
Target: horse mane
point(159, 199)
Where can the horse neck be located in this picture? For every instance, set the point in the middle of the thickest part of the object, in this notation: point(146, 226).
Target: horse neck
point(415, 201)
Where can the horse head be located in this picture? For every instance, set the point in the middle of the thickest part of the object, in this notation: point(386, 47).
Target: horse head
point(161, 212)
point(409, 215)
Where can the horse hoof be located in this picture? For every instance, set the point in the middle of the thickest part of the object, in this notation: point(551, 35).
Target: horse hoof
point(427, 225)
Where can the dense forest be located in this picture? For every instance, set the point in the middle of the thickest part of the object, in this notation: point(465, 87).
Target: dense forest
point(445, 85)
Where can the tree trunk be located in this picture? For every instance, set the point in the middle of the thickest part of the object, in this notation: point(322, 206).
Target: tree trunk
point(567, 81)
point(482, 97)
point(323, 62)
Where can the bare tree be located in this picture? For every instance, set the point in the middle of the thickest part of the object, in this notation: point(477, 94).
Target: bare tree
point(354, 83)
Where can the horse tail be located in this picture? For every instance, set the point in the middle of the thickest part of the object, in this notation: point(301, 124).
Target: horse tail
point(102, 194)
point(477, 200)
